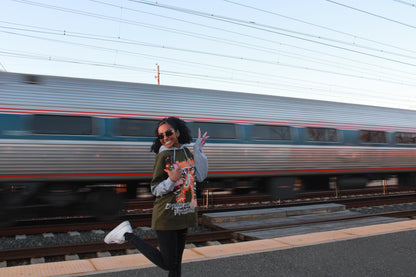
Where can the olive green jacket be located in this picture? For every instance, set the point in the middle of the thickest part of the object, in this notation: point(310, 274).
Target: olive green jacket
point(176, 206)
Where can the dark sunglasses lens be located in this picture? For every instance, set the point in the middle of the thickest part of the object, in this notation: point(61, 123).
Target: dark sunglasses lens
point(167, 134)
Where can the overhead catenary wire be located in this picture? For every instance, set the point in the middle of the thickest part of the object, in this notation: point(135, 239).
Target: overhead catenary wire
point(281, 31)
point(323, 27)
point(50, 31)
point(263, 48)
point(230, 57)
point(406, 3)
point(241, 58)
point(297, 56)
point(268, 84)
point(286, 88)
point(262, 27)
point(372, 14)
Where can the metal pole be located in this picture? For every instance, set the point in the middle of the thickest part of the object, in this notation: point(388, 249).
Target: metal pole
point(158, 74)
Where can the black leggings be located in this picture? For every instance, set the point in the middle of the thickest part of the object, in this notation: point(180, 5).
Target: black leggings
point(171, 244)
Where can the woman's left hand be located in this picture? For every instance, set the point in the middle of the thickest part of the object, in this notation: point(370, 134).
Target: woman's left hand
point(204, 137)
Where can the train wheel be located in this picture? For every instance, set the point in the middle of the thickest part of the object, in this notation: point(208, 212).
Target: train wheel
point(282, 187)
point(16, 195)
point(8, 211)
point(407, 180)
point(6, 219)
point(105, 204)
point(7, 215)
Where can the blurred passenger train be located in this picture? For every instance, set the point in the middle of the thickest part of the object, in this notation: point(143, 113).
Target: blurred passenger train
point(68, 142)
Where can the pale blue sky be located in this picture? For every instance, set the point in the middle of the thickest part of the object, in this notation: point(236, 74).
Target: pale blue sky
point(358, 51)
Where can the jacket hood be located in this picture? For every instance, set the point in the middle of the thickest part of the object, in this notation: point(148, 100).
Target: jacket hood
point(164, 148)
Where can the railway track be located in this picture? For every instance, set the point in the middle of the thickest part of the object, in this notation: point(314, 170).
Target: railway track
point(99, 248)
point(217, 199)
point(138, 213)
point(96, 248)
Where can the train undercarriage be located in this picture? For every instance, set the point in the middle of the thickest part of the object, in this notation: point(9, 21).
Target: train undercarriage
point(33, 200)
point(103, 201)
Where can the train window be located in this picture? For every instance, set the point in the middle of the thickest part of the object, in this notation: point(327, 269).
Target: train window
point(62, 124)
point(402, 137)
point(133, 127)
point(215, 130)
point(373, 136)
point(270, 132)
point(322, 134)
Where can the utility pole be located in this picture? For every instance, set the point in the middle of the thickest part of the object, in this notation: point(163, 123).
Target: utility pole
point(157, 77)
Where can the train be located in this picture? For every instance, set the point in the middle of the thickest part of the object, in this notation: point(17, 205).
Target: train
point(73, 142)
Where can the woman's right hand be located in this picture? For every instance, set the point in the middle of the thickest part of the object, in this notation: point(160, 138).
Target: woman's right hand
point(176, 173)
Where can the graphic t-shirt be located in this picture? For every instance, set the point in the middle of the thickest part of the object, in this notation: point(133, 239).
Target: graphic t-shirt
point(177, 209)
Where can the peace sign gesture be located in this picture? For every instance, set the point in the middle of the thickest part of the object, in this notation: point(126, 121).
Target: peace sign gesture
point(203, 137)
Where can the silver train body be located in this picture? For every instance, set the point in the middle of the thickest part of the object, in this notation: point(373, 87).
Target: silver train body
point(105, 157)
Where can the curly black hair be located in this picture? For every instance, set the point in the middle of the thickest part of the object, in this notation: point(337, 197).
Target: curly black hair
point(177, 124)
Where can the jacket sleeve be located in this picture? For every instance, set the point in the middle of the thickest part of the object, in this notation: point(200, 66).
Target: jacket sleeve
point(161, 184)
point(163, 187)
point(201, 162)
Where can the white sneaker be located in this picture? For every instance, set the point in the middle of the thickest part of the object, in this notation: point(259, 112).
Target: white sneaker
point(117, 234)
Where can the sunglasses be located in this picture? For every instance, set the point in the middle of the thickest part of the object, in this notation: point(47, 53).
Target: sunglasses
point(168, 133)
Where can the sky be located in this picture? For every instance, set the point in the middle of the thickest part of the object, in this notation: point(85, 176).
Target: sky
point(356, 51)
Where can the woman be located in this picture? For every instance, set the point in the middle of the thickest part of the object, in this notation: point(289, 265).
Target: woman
point(175, 209)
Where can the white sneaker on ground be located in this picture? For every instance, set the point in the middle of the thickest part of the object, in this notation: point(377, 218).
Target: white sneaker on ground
point(117, 234)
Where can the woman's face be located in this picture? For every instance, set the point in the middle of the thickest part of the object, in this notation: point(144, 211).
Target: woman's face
point(168, 136)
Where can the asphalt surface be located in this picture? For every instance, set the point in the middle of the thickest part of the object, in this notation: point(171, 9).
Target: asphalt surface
point(390, 255)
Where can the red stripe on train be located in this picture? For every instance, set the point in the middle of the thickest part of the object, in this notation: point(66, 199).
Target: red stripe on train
point(74, 175)
point(315, 170)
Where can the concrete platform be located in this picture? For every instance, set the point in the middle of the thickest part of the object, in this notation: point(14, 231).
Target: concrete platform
point(314, 228)
point(306, 216)
point(215, 219)
point(374, 250)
